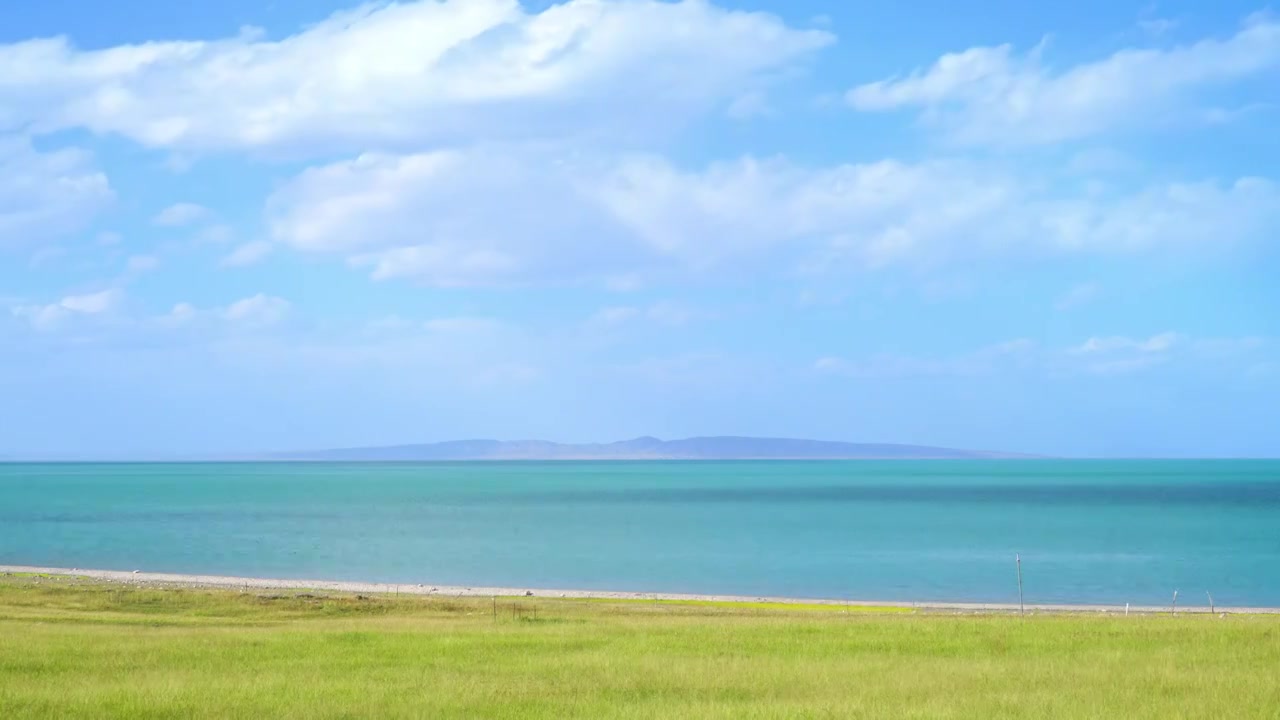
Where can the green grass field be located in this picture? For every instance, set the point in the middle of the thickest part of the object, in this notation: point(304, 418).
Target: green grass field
point(75, 648)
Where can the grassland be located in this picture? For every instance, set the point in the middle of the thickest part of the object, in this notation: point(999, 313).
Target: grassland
point(76, 648)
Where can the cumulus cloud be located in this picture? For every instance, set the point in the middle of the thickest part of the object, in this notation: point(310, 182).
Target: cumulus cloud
point(1167, 215)
point(452, 218)
point(215, 234)
point(1118, 354)
point(93, 303)
point(249, 253)
point(51, 316)
point(181, 314)
point(429, 70)
point(1000, 356)
point(667, 313)
point(1099, 355)
point(47, 255)
point(257, 311)
point(139, 264)
point(1082, 294)
point(470, 350)
point(1228, 347)
point(181, 215)
point(462, 325)
point(609, 317)
point(873, 214)
point(879, 212)
point(1157, 26)
point(251, 313)
point(46, 194)
point(1103, 345)
point(509, 216)
point(993, 95)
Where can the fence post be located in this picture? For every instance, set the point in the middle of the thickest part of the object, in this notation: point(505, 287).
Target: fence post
point(1022, 608)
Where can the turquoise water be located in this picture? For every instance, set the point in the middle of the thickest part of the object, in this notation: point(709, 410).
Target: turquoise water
point(1088, 531)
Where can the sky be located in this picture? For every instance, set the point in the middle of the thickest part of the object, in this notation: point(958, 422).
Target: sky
point(1034, 227)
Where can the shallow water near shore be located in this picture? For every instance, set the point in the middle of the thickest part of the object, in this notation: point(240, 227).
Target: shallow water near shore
point(1088, 531)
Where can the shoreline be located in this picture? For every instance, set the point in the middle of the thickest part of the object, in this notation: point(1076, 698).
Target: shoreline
point(231, 582)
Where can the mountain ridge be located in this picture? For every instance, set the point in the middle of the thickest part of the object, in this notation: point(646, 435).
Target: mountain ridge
point(726, 447)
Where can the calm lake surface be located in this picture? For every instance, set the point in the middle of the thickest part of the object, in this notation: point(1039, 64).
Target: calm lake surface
point(1088, 531)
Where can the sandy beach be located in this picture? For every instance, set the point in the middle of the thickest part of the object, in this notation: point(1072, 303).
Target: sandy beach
point(138, 577)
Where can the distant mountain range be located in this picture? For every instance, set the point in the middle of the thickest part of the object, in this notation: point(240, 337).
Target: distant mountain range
point(644, 448)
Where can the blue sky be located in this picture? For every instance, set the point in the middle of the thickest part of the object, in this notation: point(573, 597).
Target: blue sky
point(1040, 227)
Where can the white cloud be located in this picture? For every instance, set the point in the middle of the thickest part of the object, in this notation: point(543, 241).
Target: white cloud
point(1101, 355)
point(181, 314)
point(1082, 294)
point(93, 303)
point(258, 311)
point(1154, 344)
point(411, 72)
point(671, 314)
point(700, 370)
point(1228, 347)
point(1157, 26)
point(750, 105)
point(50, 317)
point(41, 317)
point(214, 235)
point(439, 265)
point(142, 263)
point(879, 212)
point(992, 95)
point(181, 215)
point(510, 216)
point(1115, 355)
point(247, 254)
point(514, 215)
point(462, 325)
point(461, 350)
point(47, 255)
point(451, 218)
point(610, 317)
point(252, 313)
point(1123, 365)
point(1000, 356)
point(390, 324)
point(1169, 215)
point(870, 215)
point(46, 194)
